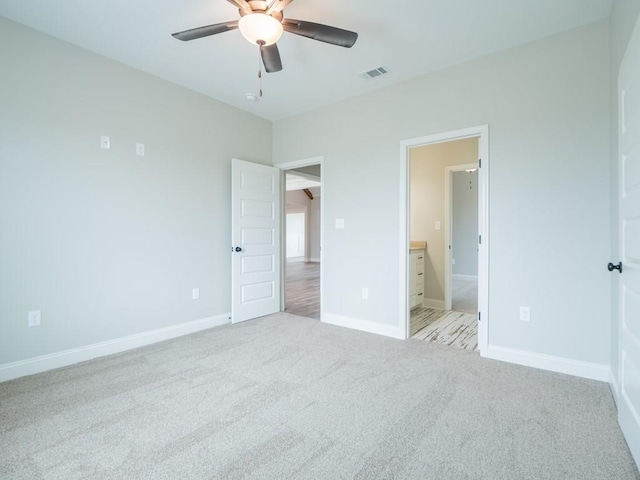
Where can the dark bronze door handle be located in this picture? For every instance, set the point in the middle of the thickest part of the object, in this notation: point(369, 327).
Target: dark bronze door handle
point(611, 267)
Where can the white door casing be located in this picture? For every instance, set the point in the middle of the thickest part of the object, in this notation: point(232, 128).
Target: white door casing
point(629, 225)
point(482, 133)
point(255, 227)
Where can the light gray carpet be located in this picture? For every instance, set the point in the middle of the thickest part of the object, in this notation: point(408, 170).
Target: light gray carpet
point(288, 397)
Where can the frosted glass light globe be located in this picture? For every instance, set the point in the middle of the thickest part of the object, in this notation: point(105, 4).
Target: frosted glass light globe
point(260, 27)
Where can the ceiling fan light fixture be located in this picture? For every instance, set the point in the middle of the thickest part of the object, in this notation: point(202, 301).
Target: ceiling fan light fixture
point(259, 27)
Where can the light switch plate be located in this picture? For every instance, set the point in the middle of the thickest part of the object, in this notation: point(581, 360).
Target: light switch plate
point(339, 223)
point(105, 143)
point(33, 318)
point(140, 149)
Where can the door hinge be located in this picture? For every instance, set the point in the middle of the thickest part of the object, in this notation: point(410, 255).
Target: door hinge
point(479, 163)
point(479, 316)
point(480, 239)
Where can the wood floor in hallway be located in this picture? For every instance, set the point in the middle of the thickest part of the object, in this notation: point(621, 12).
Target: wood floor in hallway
point(302, 292)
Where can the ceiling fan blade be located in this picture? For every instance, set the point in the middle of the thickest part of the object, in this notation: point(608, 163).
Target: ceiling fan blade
point(277, 6)
point(241, 4)
point(271, 58)
point(206, 31)
point(323, 33)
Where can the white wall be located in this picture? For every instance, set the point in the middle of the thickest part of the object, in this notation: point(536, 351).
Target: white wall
point(464, 223)
point(296, 199)
point(427, 204)
point(547, 105)
point(105, 243)
point(313, 254)
point(296, 234)
point(624, 14)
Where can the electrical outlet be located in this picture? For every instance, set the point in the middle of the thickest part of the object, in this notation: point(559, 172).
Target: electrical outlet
point(140, 149)
point(453, 261)
point(525, 314)
point(339, 223)
point(365, 294)
point(195, 293)
point(33, 318)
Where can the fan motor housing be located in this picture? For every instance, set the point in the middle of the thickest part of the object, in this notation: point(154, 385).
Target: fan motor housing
point(260, 6)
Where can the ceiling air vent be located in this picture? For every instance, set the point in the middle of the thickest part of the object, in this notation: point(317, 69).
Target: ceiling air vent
point(376, 72)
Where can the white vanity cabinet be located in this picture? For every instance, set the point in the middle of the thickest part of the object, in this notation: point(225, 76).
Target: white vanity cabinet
point(416, 278)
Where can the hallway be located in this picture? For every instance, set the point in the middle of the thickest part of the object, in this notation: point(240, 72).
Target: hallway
point(302, 295)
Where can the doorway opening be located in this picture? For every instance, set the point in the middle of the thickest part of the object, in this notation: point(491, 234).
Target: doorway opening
point(461, 238)
point(302, 205)
point(444, 238)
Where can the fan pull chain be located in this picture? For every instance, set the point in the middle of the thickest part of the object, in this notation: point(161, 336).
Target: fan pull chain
point(260, 71)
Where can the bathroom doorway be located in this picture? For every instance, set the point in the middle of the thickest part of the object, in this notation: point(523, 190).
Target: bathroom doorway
point(446, 215)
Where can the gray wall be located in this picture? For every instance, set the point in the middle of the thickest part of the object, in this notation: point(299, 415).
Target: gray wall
point(103, 242)
point(624, 14)
point(464, 223)
point(547, 104)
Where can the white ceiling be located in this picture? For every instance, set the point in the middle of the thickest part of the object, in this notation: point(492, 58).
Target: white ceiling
point(408, 37)
point(299, 182)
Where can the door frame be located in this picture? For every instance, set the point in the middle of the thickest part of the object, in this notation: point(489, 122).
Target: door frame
point(482, 133)
point(448, 226)
point(306, 162)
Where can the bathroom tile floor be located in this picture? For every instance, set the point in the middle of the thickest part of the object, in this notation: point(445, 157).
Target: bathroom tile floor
point(456, 329)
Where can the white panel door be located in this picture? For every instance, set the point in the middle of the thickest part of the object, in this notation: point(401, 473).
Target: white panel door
point(255, 217)
point(629, 171)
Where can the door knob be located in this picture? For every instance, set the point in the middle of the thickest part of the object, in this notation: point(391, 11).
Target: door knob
point(611, 267)
point(238, 249)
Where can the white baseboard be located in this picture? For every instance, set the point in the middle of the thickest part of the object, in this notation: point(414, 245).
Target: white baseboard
point(295, 259)
point(613, 384)
point(459, 276)
point(392, 331)
point(312, 260)
point(430, 302)
point(30, 366)
point(578, 368)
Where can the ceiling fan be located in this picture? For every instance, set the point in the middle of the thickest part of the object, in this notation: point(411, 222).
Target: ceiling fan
point(262, 23)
